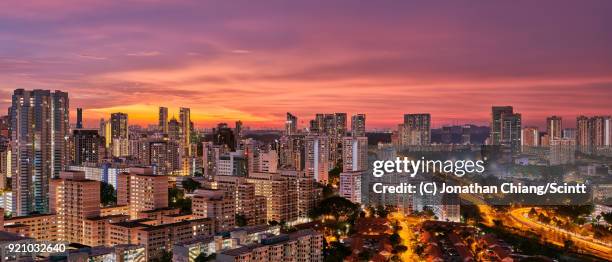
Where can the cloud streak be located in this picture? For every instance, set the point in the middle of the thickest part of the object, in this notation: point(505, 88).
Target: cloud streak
point(254, 61)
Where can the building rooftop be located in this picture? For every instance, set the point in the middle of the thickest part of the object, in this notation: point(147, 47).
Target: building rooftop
point(106, 217)
point(241, 250)
point(11, 237)
point(133, 223)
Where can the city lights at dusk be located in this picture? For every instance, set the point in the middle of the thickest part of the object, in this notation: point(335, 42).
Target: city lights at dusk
point(305, 131)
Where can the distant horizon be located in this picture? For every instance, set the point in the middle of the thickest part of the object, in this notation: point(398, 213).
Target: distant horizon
point(304, 122)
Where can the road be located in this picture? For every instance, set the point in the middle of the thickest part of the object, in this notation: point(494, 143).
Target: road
point(408, 225)
point(593, 246)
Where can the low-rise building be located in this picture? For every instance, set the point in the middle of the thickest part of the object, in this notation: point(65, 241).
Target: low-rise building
point(157, 237)
point(300, 246)
point(39, 227)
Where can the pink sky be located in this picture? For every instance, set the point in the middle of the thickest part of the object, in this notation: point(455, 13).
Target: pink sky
point(230, 60)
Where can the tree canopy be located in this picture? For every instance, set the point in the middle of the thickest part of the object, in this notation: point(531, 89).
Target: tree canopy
point(337, 207)
point(108, 195)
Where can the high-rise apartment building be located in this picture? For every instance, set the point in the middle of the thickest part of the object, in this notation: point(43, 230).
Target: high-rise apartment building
point(291, 124)
point(210, 157)
point(250, 206)
point(39, 128)
point(350, 185)
point(593, 133)
point(246, 199)
point(416, 129)
point(530, 137)
point(162, 155)
point(569, 133)
point(511, 131)
point(74, 198)
point(602, 130)
point(505, 127)
point(185, 118)
point(88, 146)
point(280, 193)
point(554, 127)
point(232, 164)
point(307, 194)
point(207, 203)
point(358, 126)
point(263, 161)
point(334, 126)
point(355, 154)
point(142, 190)
point(562, 151)
point(317, 151)
point(79, 123)
point(163, 119)
point(224, 136)
point(239, 132)
point(355, 163)
point(583, 132)
point(292, 152)
point(174, 130)
point(496, 123)
point(5, 169)
point(105, 131)
point(119, 134)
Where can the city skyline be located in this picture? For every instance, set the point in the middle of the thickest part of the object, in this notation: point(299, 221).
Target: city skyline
point(209, 130)
point(303, 121)
point(239, 61)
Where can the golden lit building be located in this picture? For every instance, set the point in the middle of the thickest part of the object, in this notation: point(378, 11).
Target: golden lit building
point(157, 237)
point(95, 228)
point(39, 227)
point(281, 195)
point(215, 205)
point(142, 191)
point(304, 245)
point(74, 198)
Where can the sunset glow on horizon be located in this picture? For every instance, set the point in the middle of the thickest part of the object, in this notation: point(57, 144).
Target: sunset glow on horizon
point(255, 61)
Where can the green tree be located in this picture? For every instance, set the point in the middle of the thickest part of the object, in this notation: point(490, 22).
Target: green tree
point(400, 249)
point(336, 252)
point(365, 255)
point(381, 211)
point(202, 257)
point(176, 199)
point(241, 220)
point(166, 256)
point(334, 175)
point(328, 191)
point(395, 239)
point(428, 211)
point(608, 217)
point(532, 212)
point(471, 212)
point(108, 195)
point(568, 244)
point(574, 211)
point(190, 185)
point(337, 207)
